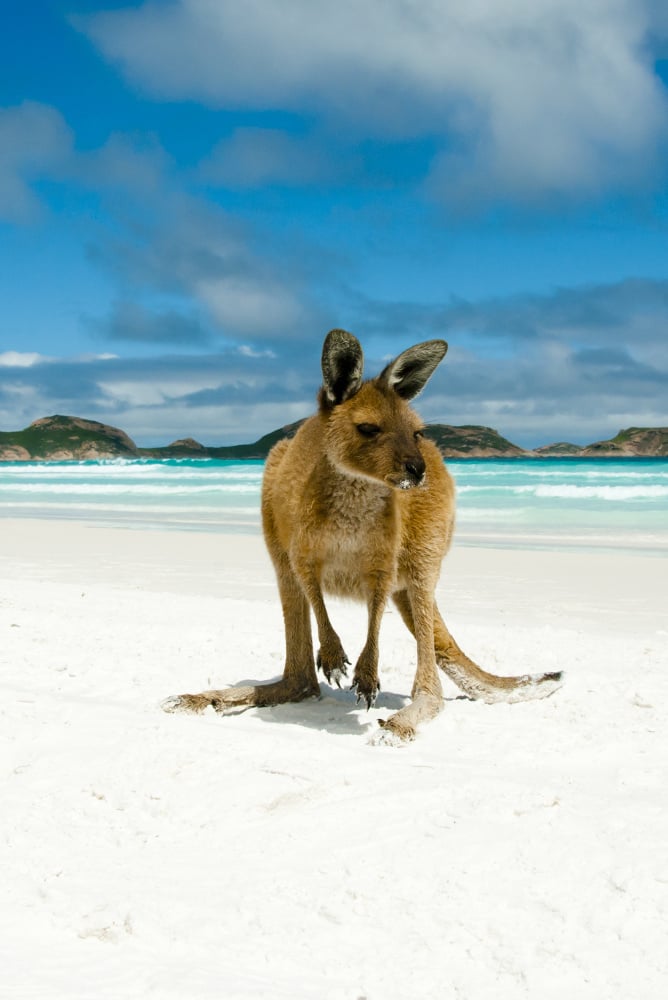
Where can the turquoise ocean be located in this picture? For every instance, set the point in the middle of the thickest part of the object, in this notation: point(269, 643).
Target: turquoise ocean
point(528, 503)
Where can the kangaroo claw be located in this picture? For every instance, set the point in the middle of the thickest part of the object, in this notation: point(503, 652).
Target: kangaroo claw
point(367, 693)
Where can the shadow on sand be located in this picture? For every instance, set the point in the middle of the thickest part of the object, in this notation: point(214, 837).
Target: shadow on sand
point(336, 711)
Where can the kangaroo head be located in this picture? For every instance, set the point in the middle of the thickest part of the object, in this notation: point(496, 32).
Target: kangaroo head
point(371, 431)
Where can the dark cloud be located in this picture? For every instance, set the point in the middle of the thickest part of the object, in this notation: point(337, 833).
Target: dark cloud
point(36, 142)
point(134, 323)
point(594, 312)
point(253, 157)
point(613, 363)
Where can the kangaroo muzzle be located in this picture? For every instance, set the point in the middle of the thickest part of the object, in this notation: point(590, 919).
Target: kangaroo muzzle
point(410, 475)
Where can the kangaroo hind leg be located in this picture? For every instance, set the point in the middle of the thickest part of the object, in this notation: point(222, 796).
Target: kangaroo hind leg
point(426, 695)
point(299, 679)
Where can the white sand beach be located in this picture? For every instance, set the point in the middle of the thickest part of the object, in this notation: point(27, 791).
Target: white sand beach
point(511, 851)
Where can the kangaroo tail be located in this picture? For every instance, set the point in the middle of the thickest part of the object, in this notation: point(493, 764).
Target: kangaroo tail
point(472, 679)
point(477, 683)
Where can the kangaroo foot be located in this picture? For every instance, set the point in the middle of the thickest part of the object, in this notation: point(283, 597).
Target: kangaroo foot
point(393, 734)
point(229, 701)
point(401, 727)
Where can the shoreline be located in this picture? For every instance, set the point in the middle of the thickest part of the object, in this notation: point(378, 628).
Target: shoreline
point(652, 546)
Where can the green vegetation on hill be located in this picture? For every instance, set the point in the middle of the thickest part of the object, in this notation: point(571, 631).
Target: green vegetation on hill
point(633, 441)
point(68, 437)
point(59, 438)
point(471, 441)
point(562, 449)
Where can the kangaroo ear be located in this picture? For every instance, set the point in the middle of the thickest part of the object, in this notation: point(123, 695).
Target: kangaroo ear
point(342, 366)
point(408, 373)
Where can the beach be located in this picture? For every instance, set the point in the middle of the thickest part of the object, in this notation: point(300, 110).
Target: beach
point(509, 851)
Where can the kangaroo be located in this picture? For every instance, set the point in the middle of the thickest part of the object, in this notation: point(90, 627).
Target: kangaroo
point(360, 504)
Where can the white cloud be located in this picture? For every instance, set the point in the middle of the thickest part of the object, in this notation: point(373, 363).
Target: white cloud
point(250, 352)
point(556, 95)
point(248, 304)
point(20, 359)
point(132, 393)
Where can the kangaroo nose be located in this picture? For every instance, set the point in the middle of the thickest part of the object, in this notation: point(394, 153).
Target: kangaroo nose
point(415, 468)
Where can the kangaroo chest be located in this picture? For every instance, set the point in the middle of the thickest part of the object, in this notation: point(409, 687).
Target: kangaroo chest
point(352, 535)
point(354, 511)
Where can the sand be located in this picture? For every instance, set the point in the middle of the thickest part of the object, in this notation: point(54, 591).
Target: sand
point(510, 851)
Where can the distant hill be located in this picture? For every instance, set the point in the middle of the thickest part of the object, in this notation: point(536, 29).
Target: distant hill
point(60, 438)
point(561, 449)
point(472, 441)
point(647, 442)
point(189, 448)
point(633, 441)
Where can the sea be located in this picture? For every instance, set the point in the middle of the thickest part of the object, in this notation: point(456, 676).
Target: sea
point(517, 503)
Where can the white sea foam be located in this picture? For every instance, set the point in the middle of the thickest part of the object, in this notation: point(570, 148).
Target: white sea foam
point(117, 489)
point(598, 492)
point(568, 491)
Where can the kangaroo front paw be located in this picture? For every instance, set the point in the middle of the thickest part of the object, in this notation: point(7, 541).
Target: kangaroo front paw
point(365, 678)
point(366, 687)
point(334, 665)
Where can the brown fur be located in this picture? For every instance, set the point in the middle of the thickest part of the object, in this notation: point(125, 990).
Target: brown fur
point(360, 505)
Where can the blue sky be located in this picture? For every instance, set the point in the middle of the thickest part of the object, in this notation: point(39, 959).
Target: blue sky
point(193, 192)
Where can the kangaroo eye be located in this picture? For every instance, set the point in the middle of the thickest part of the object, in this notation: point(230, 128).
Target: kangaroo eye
point(368, 430)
